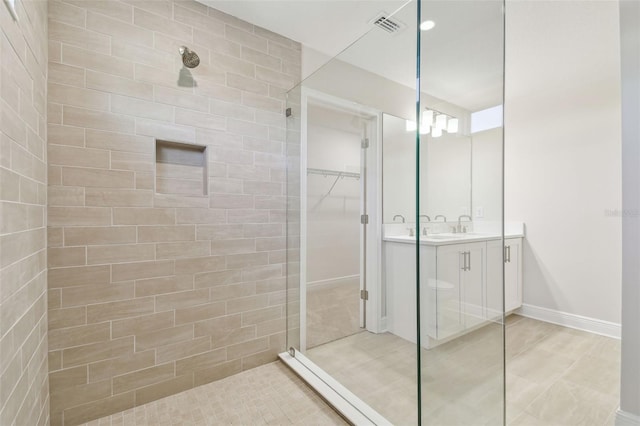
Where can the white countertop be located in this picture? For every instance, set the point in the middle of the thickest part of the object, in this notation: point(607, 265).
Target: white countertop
point(450, 238)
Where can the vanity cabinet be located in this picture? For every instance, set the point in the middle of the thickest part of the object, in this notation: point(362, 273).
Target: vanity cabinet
point(512, 276)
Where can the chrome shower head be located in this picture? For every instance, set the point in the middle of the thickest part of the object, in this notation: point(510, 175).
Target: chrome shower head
point(190, 58)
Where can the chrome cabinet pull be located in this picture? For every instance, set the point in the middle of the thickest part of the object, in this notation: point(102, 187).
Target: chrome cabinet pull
point(468, 261)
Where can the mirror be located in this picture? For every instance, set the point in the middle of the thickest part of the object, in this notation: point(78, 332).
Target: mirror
point(445, 178)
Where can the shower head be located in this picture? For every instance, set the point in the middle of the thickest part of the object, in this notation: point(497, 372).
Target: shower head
point(190, 58)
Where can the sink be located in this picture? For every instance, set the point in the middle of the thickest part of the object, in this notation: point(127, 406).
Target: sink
point(443, 236)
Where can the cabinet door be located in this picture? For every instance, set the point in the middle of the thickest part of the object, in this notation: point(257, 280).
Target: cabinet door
point(513, 274)
point(494, 280)
point(446, 290)
point(473, 284)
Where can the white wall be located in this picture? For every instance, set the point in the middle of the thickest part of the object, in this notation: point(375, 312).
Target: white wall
point(563, 152)
point(487, 175)
point(630, 50)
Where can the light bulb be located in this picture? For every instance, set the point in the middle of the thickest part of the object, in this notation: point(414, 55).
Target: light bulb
point(425, 130)
point(436, 132)
point(427, 117)
point(410, 126)
point(452, 126)
point(441, 121)
point(427, 25)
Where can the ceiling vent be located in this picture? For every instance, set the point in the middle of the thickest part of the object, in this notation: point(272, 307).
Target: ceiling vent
point(388, 24)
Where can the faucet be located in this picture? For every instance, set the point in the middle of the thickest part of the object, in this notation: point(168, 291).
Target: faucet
point(424, 229)
point(442, 216)
point(399, 216)
point(460, 225)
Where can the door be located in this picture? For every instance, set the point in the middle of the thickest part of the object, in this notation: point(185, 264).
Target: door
point(494, 285)
point(473, 284)
point(450, 268)
point(512, 274)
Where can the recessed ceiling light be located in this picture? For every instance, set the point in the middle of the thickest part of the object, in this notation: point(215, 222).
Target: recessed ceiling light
point(427, 25)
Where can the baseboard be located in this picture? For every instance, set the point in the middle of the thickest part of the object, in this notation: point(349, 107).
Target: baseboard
point(626, 419)
point(592, 325)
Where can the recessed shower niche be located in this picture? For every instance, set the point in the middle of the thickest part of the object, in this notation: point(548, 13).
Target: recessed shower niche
point(181, 169)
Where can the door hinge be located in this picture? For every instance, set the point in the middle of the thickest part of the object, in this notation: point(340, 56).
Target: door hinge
point(364, 219)
point(365, 143)
point(364, 295)
point(288, 112)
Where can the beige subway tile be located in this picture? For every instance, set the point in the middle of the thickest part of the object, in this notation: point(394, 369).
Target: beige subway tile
point(263, 230)
point(14, 217)
point(82, 394)
point(221, 339)
point(261, 315)
point(119, 29)
point(76, 36)
point(271, 285)
point(141, 108)
point(54, 49)
point(231, 201)
point(219, 278)
point(233, 291)
point(260, 58)
point(262, 272)
point(80, 335)
point(55, 237)
point(141, 378)
point(248, 172)
point(109, 368)
point(167, 336)
point(144, 180)
point(66, 256)
point(78, 236)
point(79, 157)
point(233, 65)
point(179, 171)
point(262, 103)
point(120, 253)
point(217, 372)
point(241, 261)
point(181, 250)
point(78, 97)
point(118, 85)
point(179, 186)
point(180, 99)
point(54, 116)
point(198, 216)
point(99, 408)
point(180, 350)
point(131, 161)
point(65, 135)
point(171, 200)
point(140, 270)
point(154, 22)
point(182, 299)
point(71, 317)
point(163, 285)
point(96, 61)
point(290, 54)
point(98, 178)
point(78, 216)
point(83, 295)
point(78, 276)
point(248, 216)
point(262, 145)
point(55, 360)
point(199, 119)
point(270, 202)
point(216, 43)
point(10, 192)
point(200, 312)
point(66, 13)
point(119, 142)
point(247, 348)
point(246, 38)
point(16, 246)
point(201, 361)
point(118, 198)
point(199, 264)
point(219, 326)
point(270, 327)
point(165, 130)
point(165, 388)
point(64, 196)
point(246, 303)
point(142, 325)
point(224, 247)
point(95, 352)
point(219, 232)
point(275, 78)
point(144, 216)
point(70, 377)
point(119, 310)
point(148, 234)
point(197, 19)
point(219, 91)
point(261, 358)
point(10, 188)
point(246, 128)
point(97, 120)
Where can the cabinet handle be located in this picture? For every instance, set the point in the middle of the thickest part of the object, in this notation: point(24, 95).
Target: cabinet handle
point(509, 253)
point(468, 261)
point(464, 260)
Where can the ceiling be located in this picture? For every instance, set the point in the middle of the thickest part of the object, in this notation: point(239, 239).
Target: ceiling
point(461, 58)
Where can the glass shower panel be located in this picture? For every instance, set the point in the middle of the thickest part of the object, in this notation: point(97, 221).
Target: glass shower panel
point(350, 266)
point(462, 251)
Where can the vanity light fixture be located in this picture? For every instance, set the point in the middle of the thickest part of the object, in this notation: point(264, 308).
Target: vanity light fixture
point(452, 126)
point(436, 132)
point(427, 25)
point(441, 121)
point(410, 126)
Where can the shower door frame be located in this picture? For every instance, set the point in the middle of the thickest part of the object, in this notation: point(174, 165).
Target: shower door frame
point(373, 196)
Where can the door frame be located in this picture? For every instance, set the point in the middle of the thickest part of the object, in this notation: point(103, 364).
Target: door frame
point(373, 262)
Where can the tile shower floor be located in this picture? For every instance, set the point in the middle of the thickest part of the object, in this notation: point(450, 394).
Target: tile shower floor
point(555, 376)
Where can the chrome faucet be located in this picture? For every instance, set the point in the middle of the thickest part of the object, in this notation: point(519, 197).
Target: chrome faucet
point(399, 216)
point(460, 229)
point(428, 218)
point(442, 216)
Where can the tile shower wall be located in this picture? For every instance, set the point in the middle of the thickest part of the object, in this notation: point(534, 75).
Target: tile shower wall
point(152, 291)
point(24, 389)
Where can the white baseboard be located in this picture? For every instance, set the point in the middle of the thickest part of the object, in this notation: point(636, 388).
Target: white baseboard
point(626, 419)
point(592, 325)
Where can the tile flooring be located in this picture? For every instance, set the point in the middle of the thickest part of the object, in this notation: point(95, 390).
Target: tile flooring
point(555, 377)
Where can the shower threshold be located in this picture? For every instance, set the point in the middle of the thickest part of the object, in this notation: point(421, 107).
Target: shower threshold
point(352, 408)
